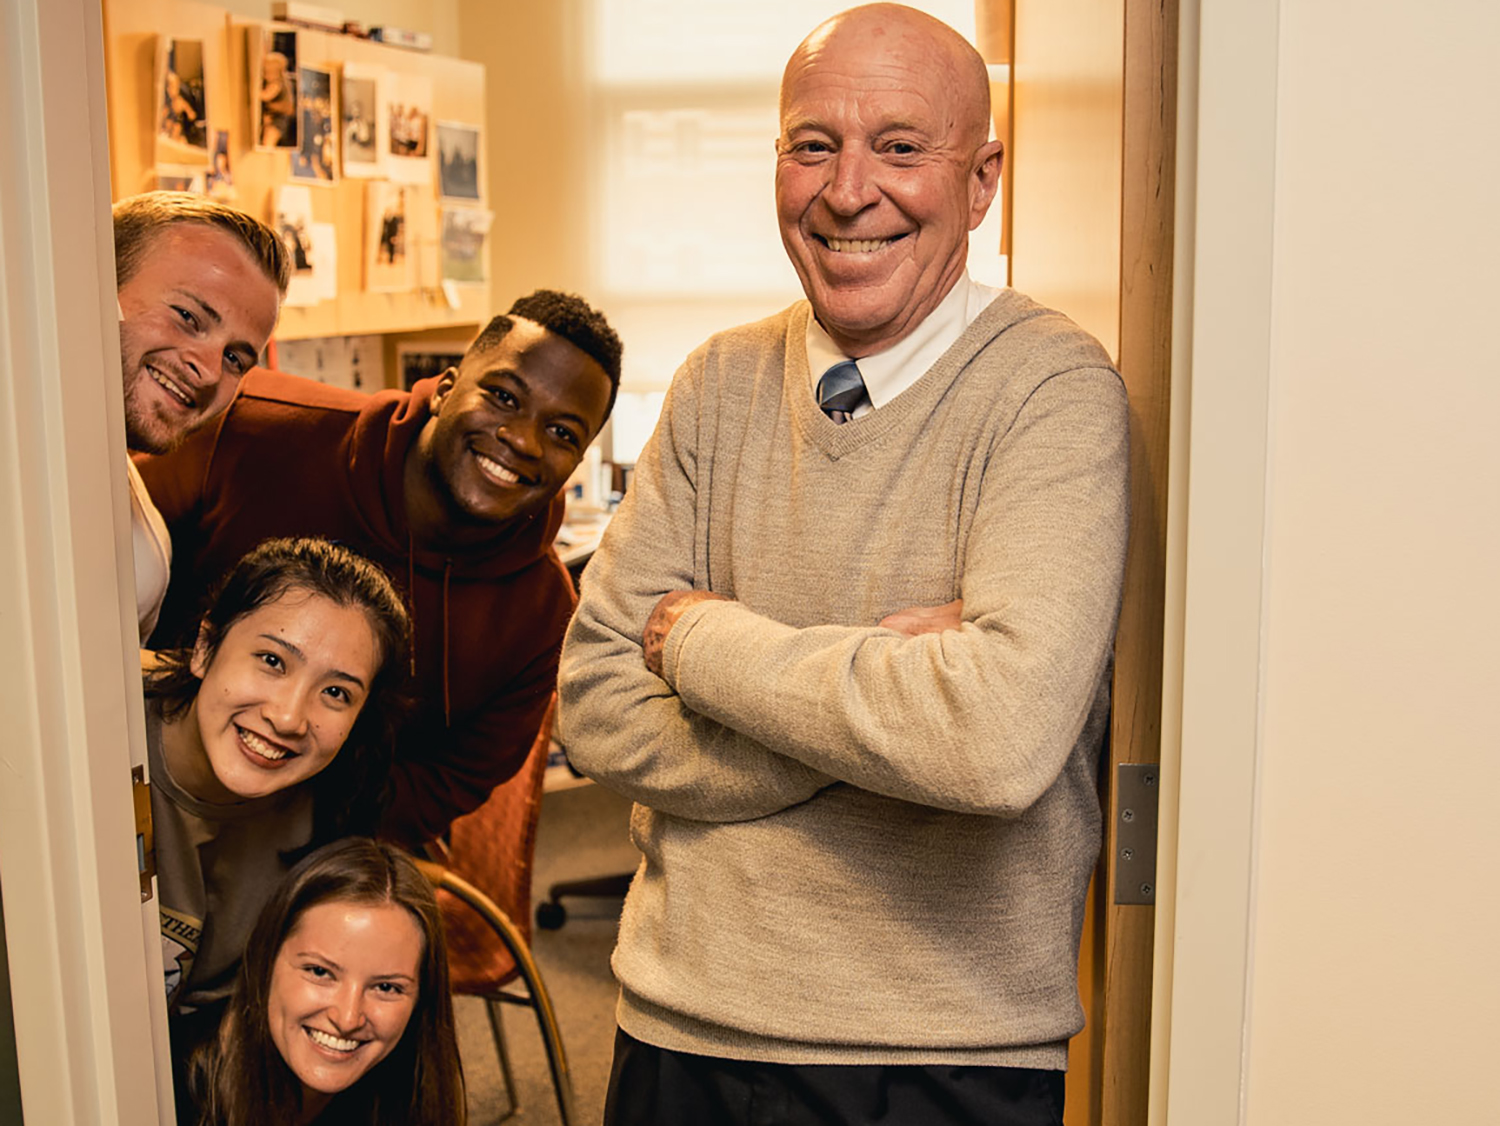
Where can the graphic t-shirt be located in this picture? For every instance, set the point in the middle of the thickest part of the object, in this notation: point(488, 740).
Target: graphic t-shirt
point(216, 865)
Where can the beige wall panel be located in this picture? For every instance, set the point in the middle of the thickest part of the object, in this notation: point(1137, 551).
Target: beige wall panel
point(1372, 992)
point(538, 146)
point(1066, 159)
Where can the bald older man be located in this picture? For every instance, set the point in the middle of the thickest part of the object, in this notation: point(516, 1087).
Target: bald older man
point(847, 645)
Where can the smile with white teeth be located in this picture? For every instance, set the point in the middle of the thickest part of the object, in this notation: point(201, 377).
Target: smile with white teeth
point(857, 245)
point(328, 1040)
point(495, 470)
point(171, 386)
point(262, 747)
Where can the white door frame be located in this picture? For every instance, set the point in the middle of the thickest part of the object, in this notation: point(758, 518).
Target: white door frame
point(84, 957)
point(1212, 684)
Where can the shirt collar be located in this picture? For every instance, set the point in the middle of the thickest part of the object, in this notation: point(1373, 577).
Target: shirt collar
point(888, 373)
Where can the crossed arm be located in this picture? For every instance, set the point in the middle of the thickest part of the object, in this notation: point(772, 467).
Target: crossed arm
point(676, 760)
point(696, 706)
point(910, 622)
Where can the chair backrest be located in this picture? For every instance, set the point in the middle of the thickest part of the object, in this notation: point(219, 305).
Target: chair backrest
point(493, 848)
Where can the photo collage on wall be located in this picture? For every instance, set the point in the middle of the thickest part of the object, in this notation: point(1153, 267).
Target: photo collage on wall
point(273, 88)
point(312, 247)
point(464, 228)
point(181, 116)
point(363, 121)
point(317, 155)
point(424, 226)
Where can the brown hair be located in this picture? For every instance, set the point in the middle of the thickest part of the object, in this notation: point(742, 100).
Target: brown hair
point(240, 1079)
point(140, 218)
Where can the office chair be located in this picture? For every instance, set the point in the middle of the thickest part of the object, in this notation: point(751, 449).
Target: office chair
point(551, 914)
point(483, 879)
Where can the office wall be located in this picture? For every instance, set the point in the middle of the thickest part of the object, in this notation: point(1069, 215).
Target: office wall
point(539, 158)
point(439, 18)
point(1371, 987)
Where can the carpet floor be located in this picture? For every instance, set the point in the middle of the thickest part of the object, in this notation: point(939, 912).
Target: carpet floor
point(582, 833)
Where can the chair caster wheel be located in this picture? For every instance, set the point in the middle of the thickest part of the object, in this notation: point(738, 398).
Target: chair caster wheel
point(551, 916)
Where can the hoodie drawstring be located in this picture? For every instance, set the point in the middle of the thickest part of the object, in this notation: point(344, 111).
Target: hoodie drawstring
point(411, 587)
point(411, 594)
point(447, 705)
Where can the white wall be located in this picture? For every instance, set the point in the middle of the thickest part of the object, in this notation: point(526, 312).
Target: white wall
point(1373, 997)
point(1365, 953)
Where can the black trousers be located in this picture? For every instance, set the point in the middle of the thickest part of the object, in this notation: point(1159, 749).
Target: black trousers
point(650, 1086)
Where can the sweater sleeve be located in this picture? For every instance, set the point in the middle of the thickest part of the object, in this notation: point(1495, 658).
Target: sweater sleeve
point(621, 724)
point(979, 719)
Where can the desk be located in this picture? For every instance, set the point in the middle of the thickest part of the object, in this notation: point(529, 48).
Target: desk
point(579, 535)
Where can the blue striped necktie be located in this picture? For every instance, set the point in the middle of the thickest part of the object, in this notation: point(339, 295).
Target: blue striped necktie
point(841, 390)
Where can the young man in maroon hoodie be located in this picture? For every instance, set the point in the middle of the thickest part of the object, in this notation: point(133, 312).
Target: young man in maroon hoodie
point(452, 487)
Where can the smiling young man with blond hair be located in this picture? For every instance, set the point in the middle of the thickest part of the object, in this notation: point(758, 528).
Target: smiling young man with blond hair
point(848, 645)
point(200, 287)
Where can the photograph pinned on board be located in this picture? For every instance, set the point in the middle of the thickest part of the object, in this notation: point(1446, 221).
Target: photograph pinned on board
point(364, 120)
point(458, 160)
point(316, 158)
point(320, 283)
point(408, 101)
point(294, 223)
point(463, 237)
point(273, 66)
point(220, 182)
point(388, 267)
point(181, 105)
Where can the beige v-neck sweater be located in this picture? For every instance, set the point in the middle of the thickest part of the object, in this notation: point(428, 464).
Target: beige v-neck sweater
point(857, 846)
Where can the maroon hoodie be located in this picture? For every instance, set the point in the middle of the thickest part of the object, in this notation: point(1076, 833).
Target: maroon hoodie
point(291, 457)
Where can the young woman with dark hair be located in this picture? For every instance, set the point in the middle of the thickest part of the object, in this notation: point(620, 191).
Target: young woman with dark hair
point(340, 1011)
point(270, 736)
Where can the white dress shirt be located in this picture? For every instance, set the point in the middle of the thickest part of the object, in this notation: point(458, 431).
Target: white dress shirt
point(891, 372)
point(153, 553)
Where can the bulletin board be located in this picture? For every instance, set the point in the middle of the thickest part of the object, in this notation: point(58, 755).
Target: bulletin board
point(137, 32)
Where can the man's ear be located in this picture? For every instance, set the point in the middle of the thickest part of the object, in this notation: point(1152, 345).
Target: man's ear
point(198, 663)
point(987, 164)
point(443, 390)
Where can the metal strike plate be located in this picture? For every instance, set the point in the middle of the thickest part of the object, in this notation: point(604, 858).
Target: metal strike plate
point(145, 841)
point(1137, 786)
